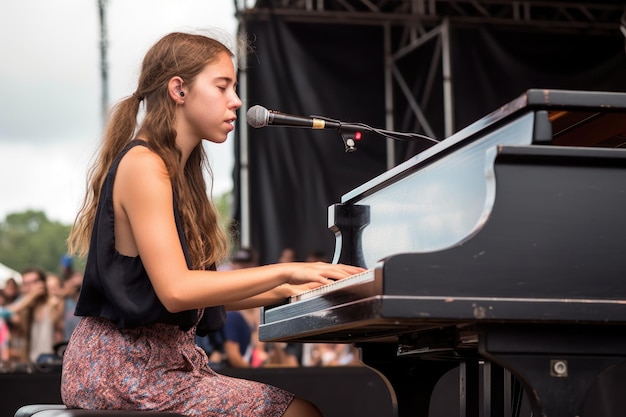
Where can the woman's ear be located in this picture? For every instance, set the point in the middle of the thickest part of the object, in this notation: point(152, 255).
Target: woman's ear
point(175, 90)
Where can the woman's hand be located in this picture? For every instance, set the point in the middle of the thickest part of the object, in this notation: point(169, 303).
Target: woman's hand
point(320, 273)
point(294, 278)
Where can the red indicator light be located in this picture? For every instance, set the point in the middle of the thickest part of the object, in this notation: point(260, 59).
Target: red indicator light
point(357, 135)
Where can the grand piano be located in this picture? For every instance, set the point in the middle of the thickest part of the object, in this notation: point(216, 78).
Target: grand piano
point(499, 250)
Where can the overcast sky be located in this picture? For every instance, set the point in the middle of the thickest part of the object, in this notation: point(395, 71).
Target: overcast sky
point(50, 89)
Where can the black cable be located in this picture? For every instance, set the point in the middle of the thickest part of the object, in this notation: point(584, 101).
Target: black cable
point(383, 132)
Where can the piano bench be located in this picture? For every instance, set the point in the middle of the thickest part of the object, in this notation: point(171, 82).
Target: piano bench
point(59, 410)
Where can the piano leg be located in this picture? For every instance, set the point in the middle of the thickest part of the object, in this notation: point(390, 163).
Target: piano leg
point(469, 371)
point(557, 368)
point(412, 379)
point(501, 393)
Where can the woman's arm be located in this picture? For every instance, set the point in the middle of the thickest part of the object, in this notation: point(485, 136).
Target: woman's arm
point(23, 302)
point(233, 355)
point(145, 226)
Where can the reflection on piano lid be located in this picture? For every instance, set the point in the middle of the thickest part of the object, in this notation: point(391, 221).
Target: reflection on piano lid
point(441, 197)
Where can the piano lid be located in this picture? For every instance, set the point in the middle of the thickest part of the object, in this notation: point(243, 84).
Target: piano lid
point(442, 196)
point(575, 118)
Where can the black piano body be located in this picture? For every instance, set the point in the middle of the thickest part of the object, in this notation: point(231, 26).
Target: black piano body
point(501, 245)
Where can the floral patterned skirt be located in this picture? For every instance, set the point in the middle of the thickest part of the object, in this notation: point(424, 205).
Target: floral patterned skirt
point(156, 368)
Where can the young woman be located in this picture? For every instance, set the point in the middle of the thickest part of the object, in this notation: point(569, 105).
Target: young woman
point(153, 239)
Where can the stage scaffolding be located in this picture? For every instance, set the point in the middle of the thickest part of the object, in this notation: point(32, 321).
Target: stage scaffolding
point(422, 22)
point(428, 20)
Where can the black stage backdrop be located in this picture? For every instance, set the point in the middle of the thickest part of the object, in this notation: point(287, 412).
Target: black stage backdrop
point(337, 70)
point(295, 174)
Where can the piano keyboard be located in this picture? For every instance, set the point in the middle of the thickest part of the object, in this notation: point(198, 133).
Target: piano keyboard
point(365, 276)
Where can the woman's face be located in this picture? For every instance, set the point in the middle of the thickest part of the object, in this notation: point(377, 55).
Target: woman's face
point(211, 102)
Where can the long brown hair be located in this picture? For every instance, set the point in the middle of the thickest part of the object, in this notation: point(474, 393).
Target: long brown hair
point(177, 54)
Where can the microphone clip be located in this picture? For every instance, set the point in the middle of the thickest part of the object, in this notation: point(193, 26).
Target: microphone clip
point(349, 140)
point(350, 133)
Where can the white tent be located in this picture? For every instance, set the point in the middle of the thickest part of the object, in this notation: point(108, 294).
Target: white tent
point(6, 273)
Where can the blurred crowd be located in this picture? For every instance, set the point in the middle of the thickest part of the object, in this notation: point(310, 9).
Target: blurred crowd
point(37, 315)
point(37, 319)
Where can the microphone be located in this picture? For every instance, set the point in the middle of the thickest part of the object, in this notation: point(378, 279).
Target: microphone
point(259, 116)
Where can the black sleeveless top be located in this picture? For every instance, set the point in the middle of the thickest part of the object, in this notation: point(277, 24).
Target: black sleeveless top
point(117, 287)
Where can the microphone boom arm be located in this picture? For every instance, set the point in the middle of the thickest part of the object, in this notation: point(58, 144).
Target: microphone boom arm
point(347, 131)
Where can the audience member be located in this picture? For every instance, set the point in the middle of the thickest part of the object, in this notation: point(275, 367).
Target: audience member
point(12, 344)
point(11, 290)
point(283, 354)
point(54, 285)
point(3, 303)
point(330, 354)
point(239, 337)
point(56, 294)
point(67, 267)
point(16, 340)
point(42, 316)
point(17, 336)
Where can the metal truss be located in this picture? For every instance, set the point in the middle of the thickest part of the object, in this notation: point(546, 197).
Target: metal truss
point(589, 15)
point(423, 21)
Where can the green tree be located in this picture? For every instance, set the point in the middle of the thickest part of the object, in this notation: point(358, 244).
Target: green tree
point(224, 203)
point(30, 239)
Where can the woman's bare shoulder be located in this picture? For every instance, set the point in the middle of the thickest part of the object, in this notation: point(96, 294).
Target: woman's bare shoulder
point(140, 158)
point(142, 176)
